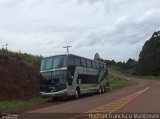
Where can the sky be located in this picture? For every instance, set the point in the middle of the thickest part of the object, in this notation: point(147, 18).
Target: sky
point(116, 29)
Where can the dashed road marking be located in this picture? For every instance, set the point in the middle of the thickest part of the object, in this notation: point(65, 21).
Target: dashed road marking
point(111, 107)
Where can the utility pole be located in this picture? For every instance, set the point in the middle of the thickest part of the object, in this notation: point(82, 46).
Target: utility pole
point(67, 47)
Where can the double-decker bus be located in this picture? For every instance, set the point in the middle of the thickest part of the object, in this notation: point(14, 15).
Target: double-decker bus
point(72, 75)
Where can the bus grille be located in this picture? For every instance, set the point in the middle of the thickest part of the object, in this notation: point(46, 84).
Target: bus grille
point(49, 88)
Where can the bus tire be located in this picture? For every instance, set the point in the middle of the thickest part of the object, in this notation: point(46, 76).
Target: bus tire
point(100, 89)
point(77, 95)
point(104, 89)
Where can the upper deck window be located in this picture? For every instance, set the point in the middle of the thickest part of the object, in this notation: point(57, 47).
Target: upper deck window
point(83, 62)
point(94, 64)
point(71, 60)
point(89, 63)
point(77, 60)
point(97, 64)
point(105, 66)
point(53, 62)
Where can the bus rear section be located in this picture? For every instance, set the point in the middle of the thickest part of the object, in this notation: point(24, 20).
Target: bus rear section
point(87, 76)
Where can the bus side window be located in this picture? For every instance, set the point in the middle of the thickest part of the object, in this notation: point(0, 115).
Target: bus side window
point(77, 61)
point(94, 65)
point(83, 62)
point(89, 65)
point(101, 65)
point(105, 66)
point(97, 64)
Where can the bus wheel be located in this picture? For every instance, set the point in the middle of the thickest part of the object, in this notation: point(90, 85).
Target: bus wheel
point(100, 89)
point(77, 95)
point(104, 89)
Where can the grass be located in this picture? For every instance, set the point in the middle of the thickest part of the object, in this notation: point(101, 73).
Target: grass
point(116, 83)
point(151, 77)
point(118, 71)
point(10, 104)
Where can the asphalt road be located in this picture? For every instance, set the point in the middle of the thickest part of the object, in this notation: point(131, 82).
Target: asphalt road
point(141, 97)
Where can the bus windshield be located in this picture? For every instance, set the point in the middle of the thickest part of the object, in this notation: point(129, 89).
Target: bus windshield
point(59, 77)
point(53, 62)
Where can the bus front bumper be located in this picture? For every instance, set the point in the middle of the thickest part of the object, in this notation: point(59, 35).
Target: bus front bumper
point(55, 94)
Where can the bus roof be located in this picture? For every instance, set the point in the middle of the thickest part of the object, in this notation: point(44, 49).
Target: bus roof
point(76, 56)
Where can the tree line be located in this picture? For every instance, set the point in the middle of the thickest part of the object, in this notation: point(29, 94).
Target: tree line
point(148, 63)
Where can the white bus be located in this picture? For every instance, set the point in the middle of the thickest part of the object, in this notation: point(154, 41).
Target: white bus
point(72, 75)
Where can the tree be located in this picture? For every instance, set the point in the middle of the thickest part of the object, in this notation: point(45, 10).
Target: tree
point(131, 63)
point(149, 58)
point(97, 56)
point(110, 62)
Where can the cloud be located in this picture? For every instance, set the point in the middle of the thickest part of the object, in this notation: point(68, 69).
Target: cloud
point(90, 26)
point(10, 3)
point(89, 1)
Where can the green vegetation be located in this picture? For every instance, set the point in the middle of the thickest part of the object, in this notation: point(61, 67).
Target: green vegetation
point(149, 58)
point(148, 63)
point(152, 77)
point(19, 75)
point(118, 83)
point(117, 70)
point(128, 67)
point(23, 57)
point(10, 104)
